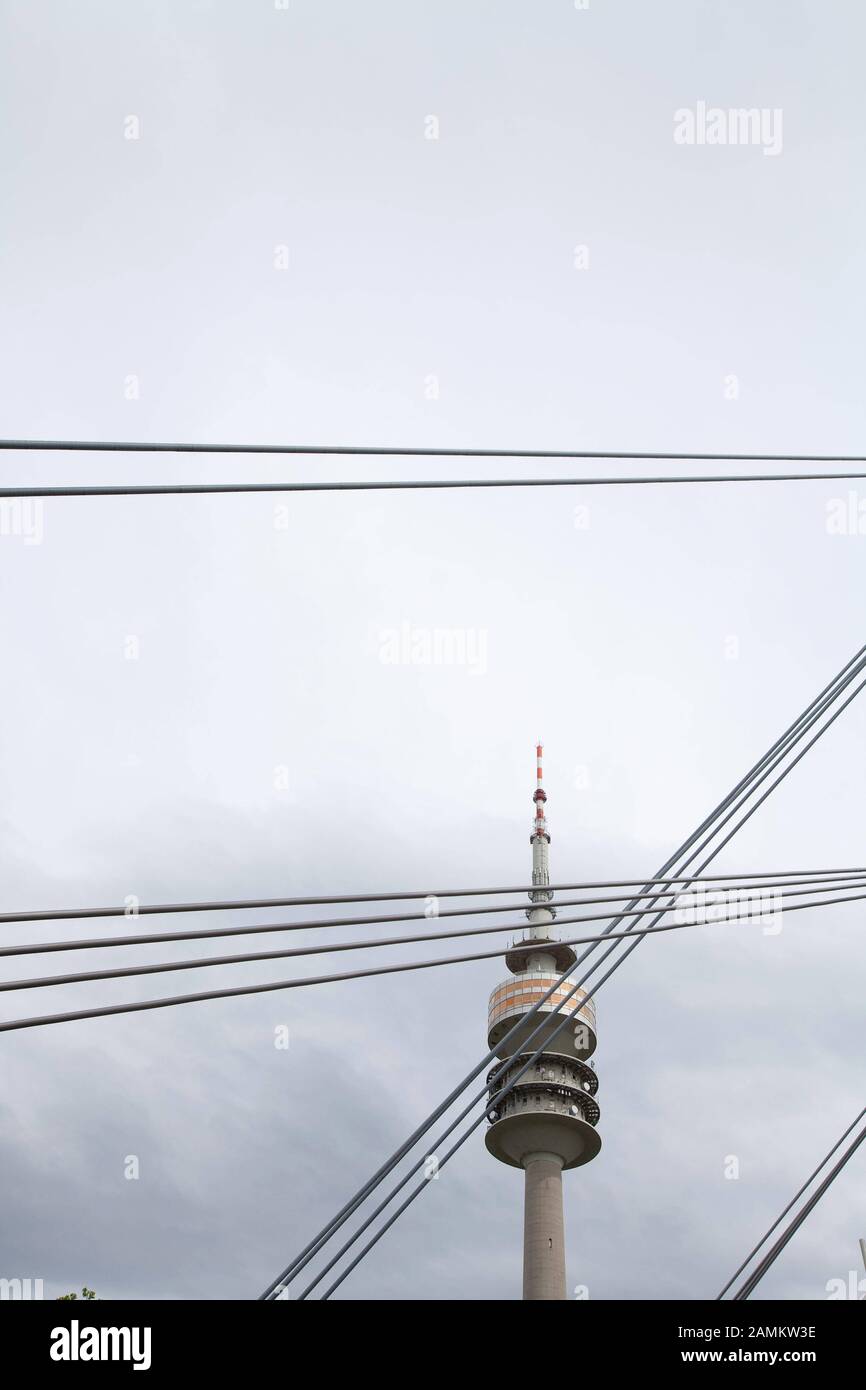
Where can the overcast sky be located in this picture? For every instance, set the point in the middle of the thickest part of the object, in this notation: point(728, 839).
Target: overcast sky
point(229, 222)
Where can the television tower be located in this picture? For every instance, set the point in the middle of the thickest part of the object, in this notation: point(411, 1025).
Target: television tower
point(548, 1121)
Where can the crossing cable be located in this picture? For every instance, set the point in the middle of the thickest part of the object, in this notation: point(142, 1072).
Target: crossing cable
point(404, 485)
point(545, 1044)
point(132, 490)
point(396, 451)
point(793, 732)
point(499, 1097)
point(63, 914)
point(794, 1225)
point(26, 948)
point(538, 1052)
point(796, 1197)
point(341, 976)
point(790, 736)
point(745, 912)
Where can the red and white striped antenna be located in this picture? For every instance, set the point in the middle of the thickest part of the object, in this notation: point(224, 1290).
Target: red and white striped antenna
point(539, 797)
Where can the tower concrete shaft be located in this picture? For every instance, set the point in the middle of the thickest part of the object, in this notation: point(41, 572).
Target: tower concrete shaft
point(543, 1228)
point(542, 1110)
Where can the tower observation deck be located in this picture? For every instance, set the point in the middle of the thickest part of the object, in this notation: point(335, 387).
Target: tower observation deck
point(547, 1123)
